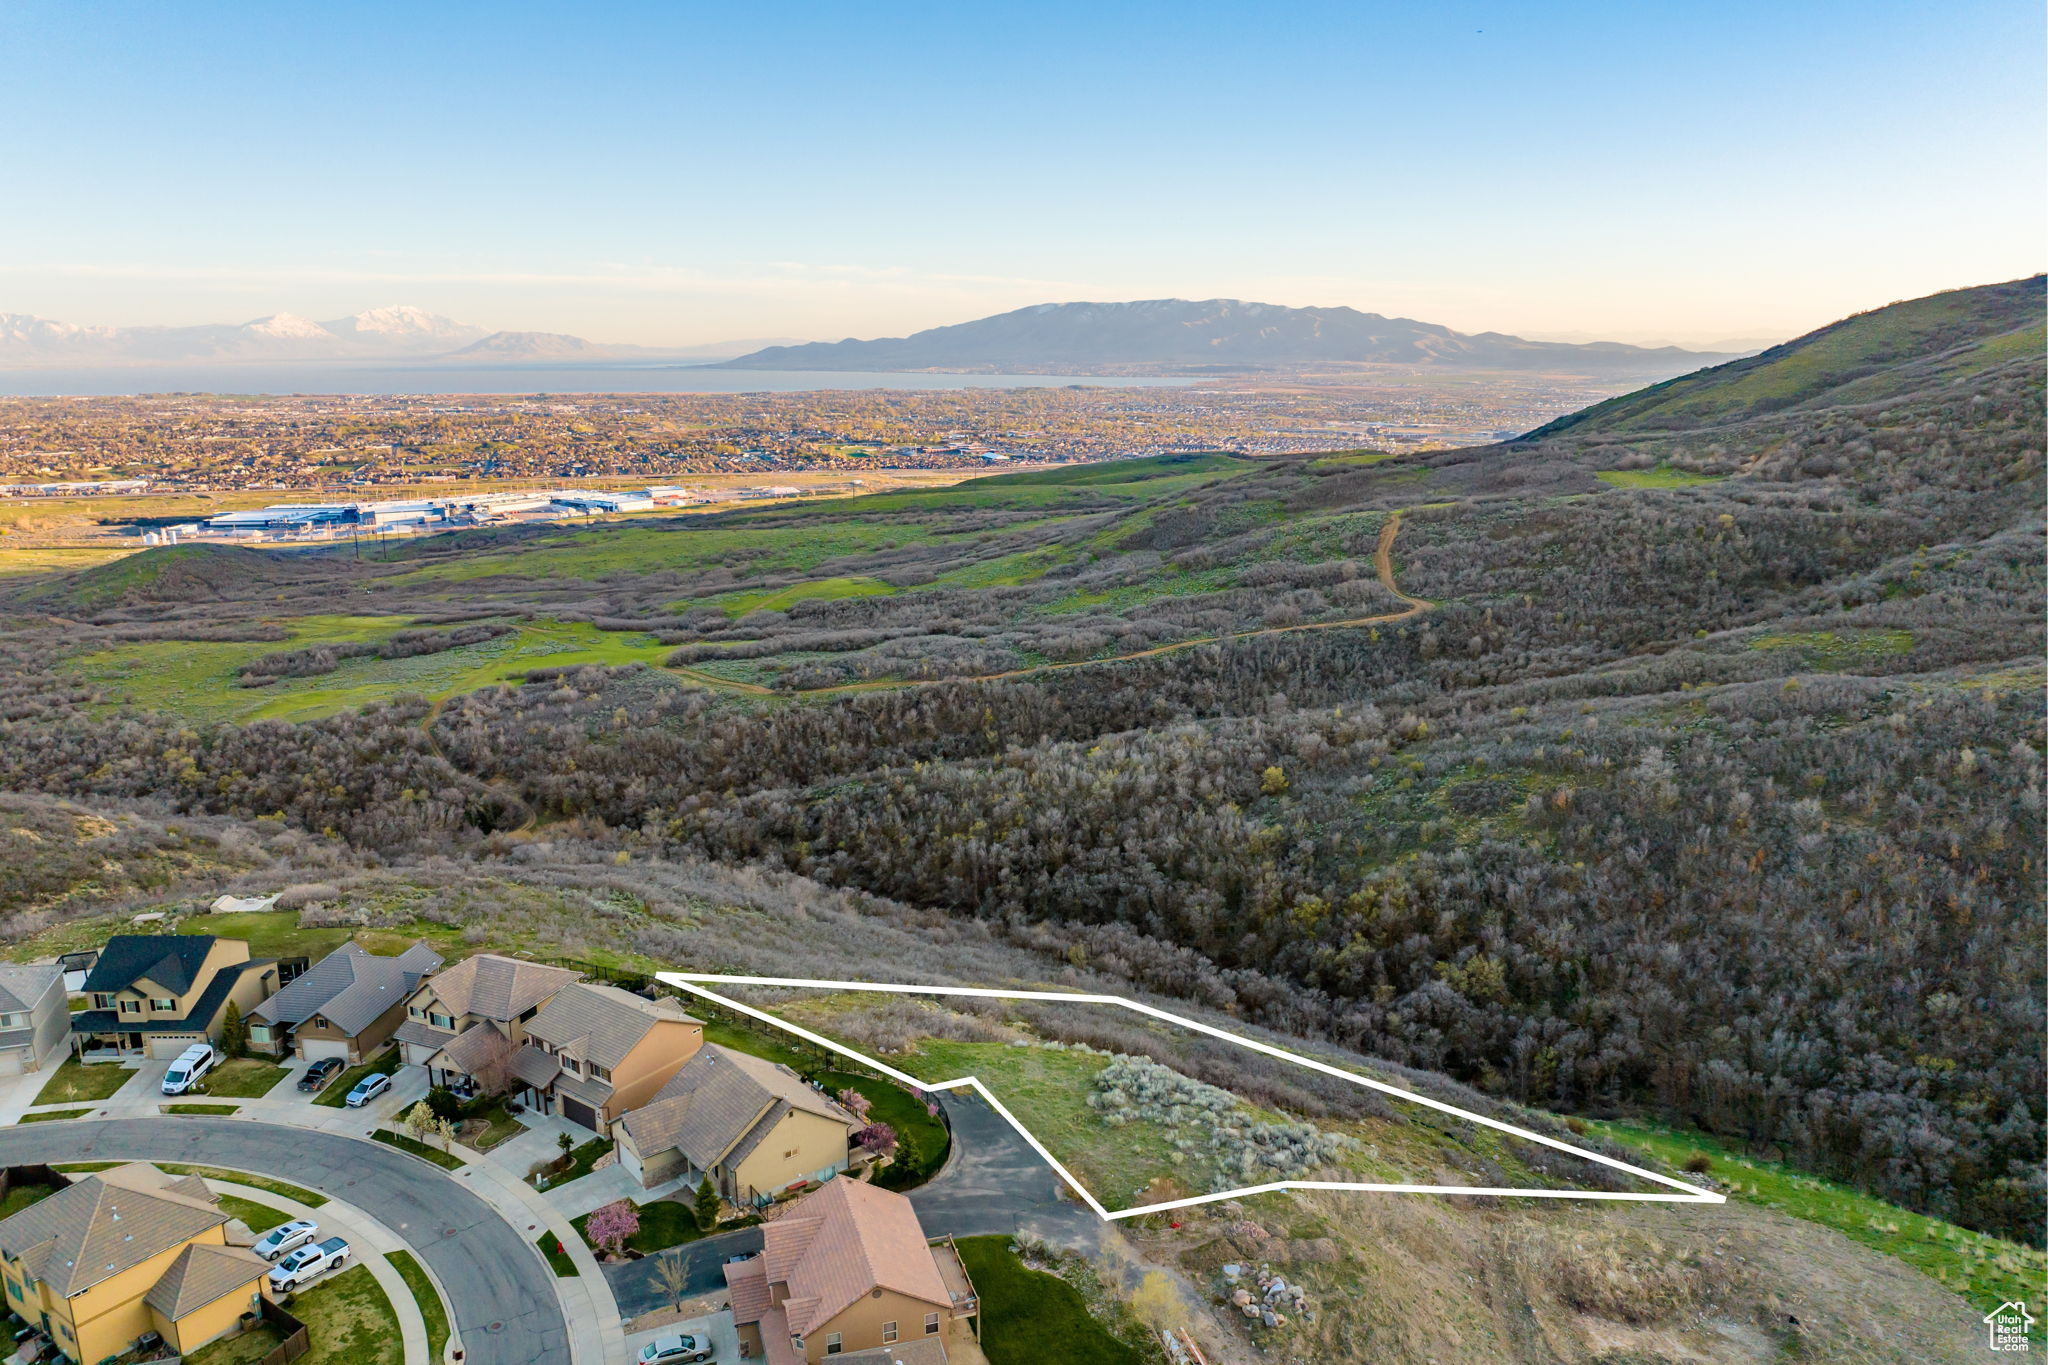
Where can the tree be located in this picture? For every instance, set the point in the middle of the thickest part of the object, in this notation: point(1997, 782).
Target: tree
point(878, 1138)
point(420, 1120)
point(855, 1103)
point(444, 1129)
point(706, 1205)
point(613, 1225)
point(1273, 781)
point(234, 1032)
point(1156, 1302)
point(673, 1279)
point(567, 1144)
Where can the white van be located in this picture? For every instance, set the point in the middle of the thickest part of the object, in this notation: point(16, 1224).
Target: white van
point(194, 1062)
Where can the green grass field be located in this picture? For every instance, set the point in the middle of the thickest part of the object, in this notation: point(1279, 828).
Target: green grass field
point(310, 1198)
point(244, 1078)
point(24, 559)
point(1837, 649)
point(817, 589)
point(1985, 1270)
point(75, 1081)
point(258, 1218)
point(1662, 476)
point(1029, 1317)
point(447, 1161)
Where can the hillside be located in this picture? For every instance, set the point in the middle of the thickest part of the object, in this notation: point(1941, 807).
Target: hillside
point(169, 574)
point(1888, 352)
point(1674, 779)
point(1214, 334)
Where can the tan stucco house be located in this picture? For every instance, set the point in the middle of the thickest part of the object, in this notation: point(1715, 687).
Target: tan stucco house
point(595, 1052)
point(848, 1269)
point(347, 1005)
point(157, 994)
point(755, 1127)
point(125, 1252)
point(485, 991)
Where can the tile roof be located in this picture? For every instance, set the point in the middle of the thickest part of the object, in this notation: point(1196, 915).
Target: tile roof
point(532, 1067)
point(747, 1282)
point(775, 1342)
point(171, 960)
point(21, 985)
point(423, 1034)
point(351, 987)
point(104, 1223)
point(838, 1244)
point(716, 1101)
point(501, 988)
point(600, 1024)
point(202, 1274)
point(914, 1351)
point(472, 1050)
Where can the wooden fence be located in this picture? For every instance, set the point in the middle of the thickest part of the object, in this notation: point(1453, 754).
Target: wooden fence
point(297, 1340)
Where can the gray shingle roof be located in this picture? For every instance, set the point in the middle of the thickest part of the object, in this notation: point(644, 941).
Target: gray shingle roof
point(104, 1223)
point(351, 987)
point(501, 988)
point(719, 1098)
point(21, 986)
point(599, 1023)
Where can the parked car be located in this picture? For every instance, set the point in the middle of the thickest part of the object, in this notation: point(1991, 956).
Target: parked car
point(285, 1237)
point(308, 1261)
point(678, 1348)
point(194, 1062)
point(320, 1073)
point(367, 1089)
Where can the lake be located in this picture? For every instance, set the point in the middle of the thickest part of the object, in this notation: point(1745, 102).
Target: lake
point(611, 377)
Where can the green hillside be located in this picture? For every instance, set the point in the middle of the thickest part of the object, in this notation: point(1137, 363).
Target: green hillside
point(167, 574)
point(1891, 351)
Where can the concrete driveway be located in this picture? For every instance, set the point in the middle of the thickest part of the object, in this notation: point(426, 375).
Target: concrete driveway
point(716, 1329)
point(501, 1294)
point(992, 1183)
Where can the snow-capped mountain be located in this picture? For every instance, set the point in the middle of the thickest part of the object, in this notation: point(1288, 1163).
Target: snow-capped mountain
point(402, 327)
point(396, 332)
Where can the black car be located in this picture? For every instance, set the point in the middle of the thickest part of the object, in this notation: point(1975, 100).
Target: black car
point(320, 1073)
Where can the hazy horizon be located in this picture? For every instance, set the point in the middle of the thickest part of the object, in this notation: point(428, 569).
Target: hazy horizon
point(682, 177)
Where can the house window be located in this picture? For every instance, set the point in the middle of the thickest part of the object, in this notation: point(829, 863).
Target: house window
point(163, 1006)
point(319, 1021)
point(131, 1007)
point(832, 1344)
point(441, 1021)
point(889, 1333)
point(13, 1019)
point(416, 1012)
point(531, 1011)
point(599, 1073)
point(259, 1033)
point(931, 1324)
point(572, 1066)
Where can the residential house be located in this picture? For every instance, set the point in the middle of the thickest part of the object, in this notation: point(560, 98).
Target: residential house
point(755, 1127)
point(497, 994)
point(35, 1016)
point(594, 1052)
point(848, 1269)
point(125, 1252)
point(157, 994)
point(347, 1005)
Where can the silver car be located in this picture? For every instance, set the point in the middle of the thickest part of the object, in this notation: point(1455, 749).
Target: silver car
point(674, 1350)
point(285, 1237)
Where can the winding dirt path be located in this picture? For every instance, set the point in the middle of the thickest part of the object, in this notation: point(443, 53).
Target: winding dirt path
point(1383, 562)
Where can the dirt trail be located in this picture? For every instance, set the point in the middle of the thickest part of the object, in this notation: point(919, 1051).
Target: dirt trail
point(1383, 562)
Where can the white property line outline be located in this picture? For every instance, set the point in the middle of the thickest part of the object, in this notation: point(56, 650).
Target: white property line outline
point(687, 981)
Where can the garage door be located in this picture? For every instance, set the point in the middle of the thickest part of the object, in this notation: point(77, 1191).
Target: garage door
point(165, 1047)
point(316, 1048)
point(11, 1061)
point(576, 1111)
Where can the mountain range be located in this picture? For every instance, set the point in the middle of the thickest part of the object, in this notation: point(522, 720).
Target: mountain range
point(397, 333)
point(1212, 335)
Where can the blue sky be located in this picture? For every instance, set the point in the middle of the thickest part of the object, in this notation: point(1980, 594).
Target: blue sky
point(685, 173)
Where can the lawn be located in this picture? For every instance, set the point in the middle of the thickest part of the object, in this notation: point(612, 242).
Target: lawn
point(76, 1081)
point(762, 1040)
point(21, 1195)
point(201, 1108)
point(260, 1218)
point(257, 1182)
point(581, 1159)
point(1985, 1270)
point(499, 1126)
point(550, 1246)
point(447, 1161)
point(244, 1078)
point(349, 1321)
point(1028, 1316)
point(921, 1139)
point(664, 1223)
point(429, 1299)
point(55, 1114)
point(335, 1096)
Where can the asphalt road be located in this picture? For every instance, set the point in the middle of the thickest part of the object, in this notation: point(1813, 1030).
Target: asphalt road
point(502, 1295)
point(992, 1183)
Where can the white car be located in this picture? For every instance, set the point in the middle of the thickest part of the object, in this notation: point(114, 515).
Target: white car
point(194, 1062)
point(308, 1261)
point(367, 1089)
point(285, 1237)
point(678, 1348)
